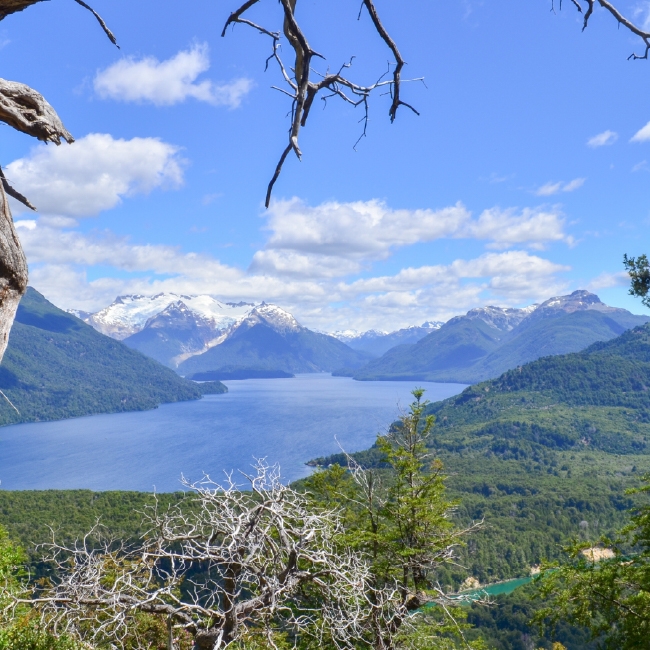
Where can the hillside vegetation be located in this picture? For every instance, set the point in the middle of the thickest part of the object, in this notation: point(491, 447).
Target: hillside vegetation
point(544, 453)
point(58, 367)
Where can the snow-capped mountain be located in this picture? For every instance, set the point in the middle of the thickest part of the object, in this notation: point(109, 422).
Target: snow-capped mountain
point(171, 328)
point(503, 318)
point(270, 315)
point(128, 315)
point(377, 342)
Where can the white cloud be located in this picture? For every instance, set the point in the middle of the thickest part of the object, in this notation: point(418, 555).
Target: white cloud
point(642, 14)
point(358, 229)
point(573, 185)
point(342, 238)
point(606, 280)
point(504, 228)
point(59, 258)
point(553, 188)
point(642, 135)
point(312, 269)
point(164, 83)
point(602, 139)
point(94, 173)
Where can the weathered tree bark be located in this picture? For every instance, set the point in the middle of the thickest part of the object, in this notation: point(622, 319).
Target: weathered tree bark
point(28, 111)
point(13, 271)
point(22, 108)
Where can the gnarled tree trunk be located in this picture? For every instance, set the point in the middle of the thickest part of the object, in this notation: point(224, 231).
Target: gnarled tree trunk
point(26, 110)
point(13, 271)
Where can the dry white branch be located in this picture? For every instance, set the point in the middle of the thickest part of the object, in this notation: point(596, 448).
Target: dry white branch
point(261, 559)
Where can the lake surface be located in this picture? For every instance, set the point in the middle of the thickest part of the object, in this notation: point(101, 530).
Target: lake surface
point(288, 421)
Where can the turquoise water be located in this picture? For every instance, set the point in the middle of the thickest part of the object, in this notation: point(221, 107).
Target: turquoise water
point(497, 589)
point(288, 421)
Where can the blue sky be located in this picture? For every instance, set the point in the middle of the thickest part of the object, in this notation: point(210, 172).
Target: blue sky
point(525, 175)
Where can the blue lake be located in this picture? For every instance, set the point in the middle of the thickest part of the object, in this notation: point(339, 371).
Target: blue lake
point(287, 421)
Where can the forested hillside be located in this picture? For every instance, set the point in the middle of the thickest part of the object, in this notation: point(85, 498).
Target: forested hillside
point(544, 453)
point(58, 367)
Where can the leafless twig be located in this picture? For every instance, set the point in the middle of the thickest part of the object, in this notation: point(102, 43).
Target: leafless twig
point(267, 561)
point(620, 18)
point(303, 89)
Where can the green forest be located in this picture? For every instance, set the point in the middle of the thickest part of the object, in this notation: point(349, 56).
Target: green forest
point(531, 463)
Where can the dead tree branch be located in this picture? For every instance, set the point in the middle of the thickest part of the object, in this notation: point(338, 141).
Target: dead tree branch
point(14, 193)
point(25, 110)
point(262, 559)
point(620, 18)
point(12, 6)
point(303, 89)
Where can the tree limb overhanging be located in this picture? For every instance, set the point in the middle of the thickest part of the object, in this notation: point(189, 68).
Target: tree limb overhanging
point(303, 83)
point(588, 10)
point(25, 110)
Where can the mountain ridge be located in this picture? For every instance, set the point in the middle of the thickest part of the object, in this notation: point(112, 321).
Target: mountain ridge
point(56, 367)
point(488, 341)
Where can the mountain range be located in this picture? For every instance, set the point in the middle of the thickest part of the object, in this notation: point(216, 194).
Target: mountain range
point(490, 340)
point(57, 366)
point(199, 335)
point(377, 342)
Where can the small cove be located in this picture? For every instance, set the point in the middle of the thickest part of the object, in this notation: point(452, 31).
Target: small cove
point(288, 421)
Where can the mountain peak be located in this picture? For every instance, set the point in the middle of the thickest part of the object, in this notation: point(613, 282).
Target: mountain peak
point(501, 318)
point(273, 316)
point(580, 300)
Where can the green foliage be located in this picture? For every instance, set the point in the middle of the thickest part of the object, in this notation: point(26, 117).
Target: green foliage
point(58, 367)
point(639, 271)
point(507, 624)
point(400, 517)
point(30, 516)
point(544, 454)
point(19, 630)
point(611, 596)
point(417, 530)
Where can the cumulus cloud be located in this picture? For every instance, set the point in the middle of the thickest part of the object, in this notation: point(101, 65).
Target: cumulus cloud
point(553, 188)
point(94, 173)
point(311, 264)
point(59, 259)
point(642, 135)
point(504, 228)
point(602, 139)
point(342, 238)
point(607, 280)
point(164, 83)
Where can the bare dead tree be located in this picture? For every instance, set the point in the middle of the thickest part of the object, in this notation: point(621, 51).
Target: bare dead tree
point(269, 563)
point(303, 83)
point(27, 111)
